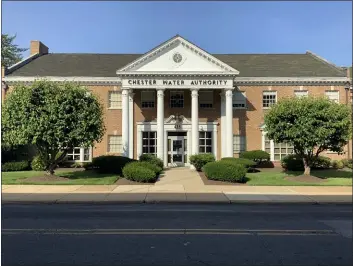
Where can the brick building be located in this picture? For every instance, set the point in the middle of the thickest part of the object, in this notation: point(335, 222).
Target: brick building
point(177, 99)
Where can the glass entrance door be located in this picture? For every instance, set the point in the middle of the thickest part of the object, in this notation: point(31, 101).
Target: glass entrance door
point(176, 151)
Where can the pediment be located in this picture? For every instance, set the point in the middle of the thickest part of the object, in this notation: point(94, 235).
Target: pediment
point(173, 119)
point(178, 55)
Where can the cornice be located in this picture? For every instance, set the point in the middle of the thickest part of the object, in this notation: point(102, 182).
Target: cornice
point(81, 80)
point(290, 81)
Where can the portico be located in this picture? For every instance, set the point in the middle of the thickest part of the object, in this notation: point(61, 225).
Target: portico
point(175, 66)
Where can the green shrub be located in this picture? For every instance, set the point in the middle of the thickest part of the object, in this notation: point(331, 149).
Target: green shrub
point(76, 165)
point(199, 160)
point(150, 166)
point(321, 162)
point(225, 171)
point(136, 172)
point(292, 162)
point(88, 165)
point(347, 163)
point(257, 156)
point(337, 164)
point(110, 164)
point(246, 162)
point(152, 159)
point(15, 166)
point(37, 164)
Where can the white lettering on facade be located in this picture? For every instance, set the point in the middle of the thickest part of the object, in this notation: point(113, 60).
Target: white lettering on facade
point(176, 82)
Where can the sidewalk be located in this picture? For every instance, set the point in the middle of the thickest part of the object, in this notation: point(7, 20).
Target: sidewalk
point(179, 186)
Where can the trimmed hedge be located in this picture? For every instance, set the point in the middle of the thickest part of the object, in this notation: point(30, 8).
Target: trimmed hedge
point(149, 165)
point(257, 156)
point(245, 162)
point(321, 162)
point(135, 171)
point(225, 171)
point(37, 164)
point(15, 166)
point(347, 163)
point(294, 162)
point(199, 160)
point(337, 164)
point(152, 159)
point(110, 164)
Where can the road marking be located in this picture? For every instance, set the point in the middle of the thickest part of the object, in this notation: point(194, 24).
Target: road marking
point(158, 231)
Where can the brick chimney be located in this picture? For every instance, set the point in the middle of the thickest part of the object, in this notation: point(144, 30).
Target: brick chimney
point(38, 48)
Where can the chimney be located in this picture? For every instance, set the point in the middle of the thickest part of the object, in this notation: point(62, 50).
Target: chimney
point(38, 48)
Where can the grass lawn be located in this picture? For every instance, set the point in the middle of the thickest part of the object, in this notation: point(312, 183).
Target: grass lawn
point(76, 178)
point(276, 178)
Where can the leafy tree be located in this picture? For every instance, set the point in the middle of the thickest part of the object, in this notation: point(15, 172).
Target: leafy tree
point(311, 125)
point(54, 117)
point(10, 52)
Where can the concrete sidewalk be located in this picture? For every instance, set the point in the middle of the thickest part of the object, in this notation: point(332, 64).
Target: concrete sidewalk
point(174, 193)
point(180, 185)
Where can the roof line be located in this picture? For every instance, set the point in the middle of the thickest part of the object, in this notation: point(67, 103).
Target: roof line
point(319, 58)
point(23, 62)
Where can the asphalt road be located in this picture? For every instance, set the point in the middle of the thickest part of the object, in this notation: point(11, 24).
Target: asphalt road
point(77, 234)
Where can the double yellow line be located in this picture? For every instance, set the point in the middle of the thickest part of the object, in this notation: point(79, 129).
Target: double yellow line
point(166, 232)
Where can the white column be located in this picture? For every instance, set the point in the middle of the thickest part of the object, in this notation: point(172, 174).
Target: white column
point(194, 121)
point(160, 123)
point(131, 125)
point(125, 121)
point(223, 125)
point(229, 122)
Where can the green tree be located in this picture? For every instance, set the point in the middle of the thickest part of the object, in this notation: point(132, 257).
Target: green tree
point(10, 52)
point(54, 117)
point(311, 125)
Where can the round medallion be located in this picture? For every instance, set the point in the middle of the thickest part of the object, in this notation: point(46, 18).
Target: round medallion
point(177, 58)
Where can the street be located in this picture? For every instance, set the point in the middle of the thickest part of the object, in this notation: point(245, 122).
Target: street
point(175, 234)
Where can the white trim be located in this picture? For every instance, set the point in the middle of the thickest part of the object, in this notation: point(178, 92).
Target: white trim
point(223, 125)
point(289, 80)
point(21, 63)
point(131, 125)
point(88, 80)
point(175, 40)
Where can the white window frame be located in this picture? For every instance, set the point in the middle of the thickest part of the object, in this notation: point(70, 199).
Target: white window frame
point(205, 138)
point(152, 104)
point(207, 102)
point(120, 149)
point(271, 150)
point(328, 94)
point(148, 138)
point(301, 93)
point(239, 102)
point(170, 98)
point(81, 153)
point(239, 143)
point(268, 93)
point(110, 106)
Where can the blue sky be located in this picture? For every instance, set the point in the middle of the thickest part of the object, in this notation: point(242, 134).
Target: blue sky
point(324, 28)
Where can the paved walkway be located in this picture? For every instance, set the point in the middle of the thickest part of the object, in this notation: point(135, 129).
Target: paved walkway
point(176, 185)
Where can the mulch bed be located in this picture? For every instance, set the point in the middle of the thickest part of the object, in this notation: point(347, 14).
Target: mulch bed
point(305, 178)
point(45, 178)
point(124, 181)
point(214, 182)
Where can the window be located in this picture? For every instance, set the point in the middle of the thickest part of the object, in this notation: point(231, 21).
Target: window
point(176, 99)
point(205, 142)
point(206, 99)
point(333, 96)
point(79, 154)
point(149, 142)
point(115, 144)
point(147, 99)
point(239, 100)
point(278, 150)
point(239, 143)
point(115, 99)
point(301, 93)
point(281, 150)
point(268, 98)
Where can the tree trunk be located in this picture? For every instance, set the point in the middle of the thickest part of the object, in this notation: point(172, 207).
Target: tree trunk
point(306, 167)
point(50, 170)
